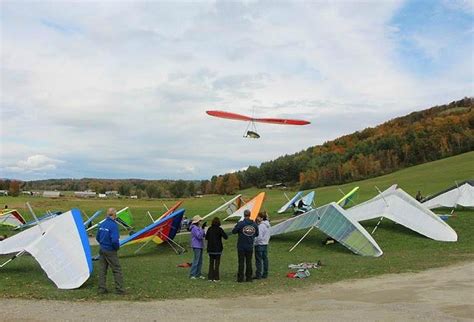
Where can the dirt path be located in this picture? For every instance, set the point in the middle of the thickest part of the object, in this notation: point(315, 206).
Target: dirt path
point(443, 294)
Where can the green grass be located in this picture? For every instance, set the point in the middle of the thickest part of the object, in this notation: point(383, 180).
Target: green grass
point(153, 274)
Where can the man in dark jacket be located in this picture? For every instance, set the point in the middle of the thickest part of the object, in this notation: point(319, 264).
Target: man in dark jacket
point(247, 230)
point(108, 238)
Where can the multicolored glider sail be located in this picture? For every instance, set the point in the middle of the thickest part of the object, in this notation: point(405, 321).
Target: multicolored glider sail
point(334, 221)
point(11, 217)
point(61, 247)
point(169, 211)
point(160, 231)
point(253, 205)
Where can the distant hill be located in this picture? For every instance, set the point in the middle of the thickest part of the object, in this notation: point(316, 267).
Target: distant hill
point(416, 138)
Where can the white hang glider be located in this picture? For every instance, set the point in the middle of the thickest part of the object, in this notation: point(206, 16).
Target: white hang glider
point(60, 245)
point(334, 221)
point(229, 207)
point(398, 206)
point(458, 195)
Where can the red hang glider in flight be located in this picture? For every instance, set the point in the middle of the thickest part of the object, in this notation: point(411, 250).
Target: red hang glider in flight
point(252, 132)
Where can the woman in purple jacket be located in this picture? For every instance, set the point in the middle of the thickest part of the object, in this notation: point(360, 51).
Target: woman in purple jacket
point(197, 243)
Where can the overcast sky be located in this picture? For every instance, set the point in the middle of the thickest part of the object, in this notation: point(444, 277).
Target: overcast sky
point(120, 89)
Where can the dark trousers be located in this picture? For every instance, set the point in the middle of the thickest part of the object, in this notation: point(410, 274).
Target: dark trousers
point(106, 259)
point(245, 259)
point(261, 261)
point(214, 262)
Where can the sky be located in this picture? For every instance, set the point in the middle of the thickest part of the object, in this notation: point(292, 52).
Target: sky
point(119, 89)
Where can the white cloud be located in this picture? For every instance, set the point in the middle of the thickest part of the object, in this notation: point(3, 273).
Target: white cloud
point(36, 163)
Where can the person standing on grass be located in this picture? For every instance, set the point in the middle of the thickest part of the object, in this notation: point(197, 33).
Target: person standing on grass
point(247, 230)
point(108, 238)
point(214, 237)
point(197, 243)
point(261, 246)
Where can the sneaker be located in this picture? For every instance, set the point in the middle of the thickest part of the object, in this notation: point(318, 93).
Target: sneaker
point(193, 277)
point(216, 281)
point(202, 277)
point(120, 292)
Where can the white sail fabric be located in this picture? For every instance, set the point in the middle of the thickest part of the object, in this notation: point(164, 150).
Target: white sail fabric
point(61, 247)
point(398, 206)
point(462, 195)
point(334, 221)
point(290, 202)
point(224, 207)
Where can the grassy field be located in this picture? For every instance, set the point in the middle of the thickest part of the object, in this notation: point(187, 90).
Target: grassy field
point(153, 274)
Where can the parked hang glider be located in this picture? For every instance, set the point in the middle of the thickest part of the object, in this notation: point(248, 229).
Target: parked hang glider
point(11, 217)
point(91, 218)
point(253, 205)
point(168, 211)
point(61, 247)
point(251, 131)
point(290, 202)
point(459, 195)
point(48, 215)
point(229, 206)
point(398, 206)
point(334, 221)
point(163, 230)
point(124, 218)
point(344, 201)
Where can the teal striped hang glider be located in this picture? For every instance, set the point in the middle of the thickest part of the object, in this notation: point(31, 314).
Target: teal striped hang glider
point(334, 221)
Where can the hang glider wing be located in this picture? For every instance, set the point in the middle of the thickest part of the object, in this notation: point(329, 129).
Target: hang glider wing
point(61, 247)
point(170, 210)
point(290, 202)
point(334, 221)
point(398, 206)
point(308, 199)
point(462, 195)
point(11, 217)
point(159, 231)
point(281, 121)
point(344, 201)
point(45, 217)
point(253, 205)
point(91, 218)
point(229, 205)
point(228, 115)
point(240, 117)
point(124, 218)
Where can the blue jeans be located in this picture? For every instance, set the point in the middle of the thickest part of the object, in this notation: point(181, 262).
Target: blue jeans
point(197, 263)
point(261, 261)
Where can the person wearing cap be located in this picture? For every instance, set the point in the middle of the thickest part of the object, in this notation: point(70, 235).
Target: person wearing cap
point(247, 230)
point(197, 244)
point(108, 238)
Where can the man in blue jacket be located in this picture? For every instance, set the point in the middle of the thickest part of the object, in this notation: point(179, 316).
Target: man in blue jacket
point(247, 230)
point(108, 238)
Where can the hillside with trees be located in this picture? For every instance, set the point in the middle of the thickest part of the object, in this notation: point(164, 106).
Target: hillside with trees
point(416, 138)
